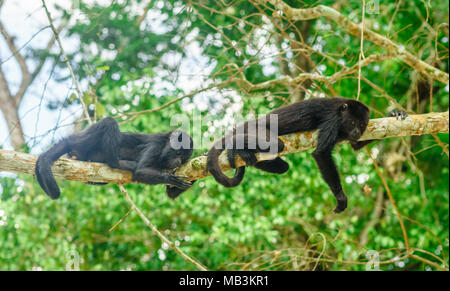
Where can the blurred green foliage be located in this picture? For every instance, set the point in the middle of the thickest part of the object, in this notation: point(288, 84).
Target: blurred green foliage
point(269, 222)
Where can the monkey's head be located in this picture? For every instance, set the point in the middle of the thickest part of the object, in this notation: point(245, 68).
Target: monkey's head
point(178, 150)
point(355, 117)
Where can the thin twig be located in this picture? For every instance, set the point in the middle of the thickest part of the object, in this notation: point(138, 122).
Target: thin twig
point(361, 52)
point(159, 234)
point(393, 202)
point(297, 14)
point(69, 66)
point(121, 220)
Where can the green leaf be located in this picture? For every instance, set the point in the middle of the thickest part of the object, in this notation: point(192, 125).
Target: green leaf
point(100, 109)
point(102, 68)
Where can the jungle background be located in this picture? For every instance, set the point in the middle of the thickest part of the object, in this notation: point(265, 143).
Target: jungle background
point(145, 61)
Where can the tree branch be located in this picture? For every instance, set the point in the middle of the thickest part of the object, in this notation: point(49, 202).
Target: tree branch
point(297, 14)
point(288, 81)
point(66, 60)
point(20, 59)
point(50, 44)
point(379, 128)
point(163, 238)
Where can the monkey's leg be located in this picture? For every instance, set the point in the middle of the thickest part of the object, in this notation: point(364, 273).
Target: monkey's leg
point(248, 156)
point(242, 147)
point(276, 166)
point(128, 165)
point(111, 142)
point(99, 143)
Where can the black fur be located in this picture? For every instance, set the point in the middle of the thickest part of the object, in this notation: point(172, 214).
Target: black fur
point(337, 119)
point(146, 155)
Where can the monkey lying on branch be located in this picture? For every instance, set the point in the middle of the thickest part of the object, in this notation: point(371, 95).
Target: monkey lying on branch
point(146, 155)
point(337, 119)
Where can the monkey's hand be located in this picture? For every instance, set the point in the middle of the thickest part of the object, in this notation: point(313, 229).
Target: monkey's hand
point(176, 180)
point(399, 114)
point(341, 202)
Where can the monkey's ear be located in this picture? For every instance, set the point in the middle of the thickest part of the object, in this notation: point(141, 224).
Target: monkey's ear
point(344, 107)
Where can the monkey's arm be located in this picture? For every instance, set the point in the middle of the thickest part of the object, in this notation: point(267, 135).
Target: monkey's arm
point(156, 176)
point(330, 174)
point(356, 146)
point(328, 137)
point(275, 166)
point(128, 165)
point(149, 171)
point(174, 192)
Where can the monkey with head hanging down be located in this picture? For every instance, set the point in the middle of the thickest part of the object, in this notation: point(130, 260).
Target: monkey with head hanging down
point(337, 119)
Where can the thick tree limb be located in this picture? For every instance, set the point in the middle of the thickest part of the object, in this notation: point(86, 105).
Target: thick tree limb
point(380, 128)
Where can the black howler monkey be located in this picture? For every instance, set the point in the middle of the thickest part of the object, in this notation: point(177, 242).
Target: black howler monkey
point(337, 119)
point(146, 155)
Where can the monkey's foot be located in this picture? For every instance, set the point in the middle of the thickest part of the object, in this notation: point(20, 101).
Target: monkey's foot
point(399, 114)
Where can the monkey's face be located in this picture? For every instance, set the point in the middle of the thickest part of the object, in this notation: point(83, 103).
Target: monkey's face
point(355, 117)
point(177, 151)
point(172, 158)
point(353, 128)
